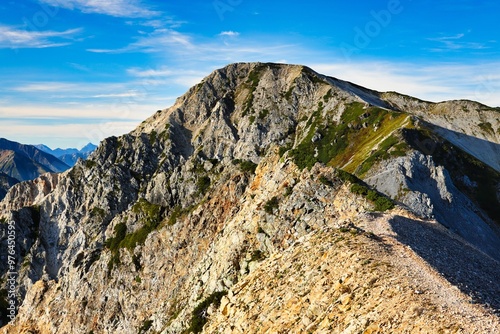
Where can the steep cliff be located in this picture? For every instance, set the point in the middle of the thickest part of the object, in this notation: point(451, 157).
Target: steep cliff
point(234, 209)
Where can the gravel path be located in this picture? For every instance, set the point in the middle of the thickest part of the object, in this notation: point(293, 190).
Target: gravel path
point(451, 272)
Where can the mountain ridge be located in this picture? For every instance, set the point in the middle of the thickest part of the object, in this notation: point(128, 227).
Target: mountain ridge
point(25, 162)
point(69, 155)
point(244, 167)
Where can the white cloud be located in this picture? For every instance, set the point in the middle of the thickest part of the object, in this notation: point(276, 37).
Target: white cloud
point(75, 111)
point(164, 22)
point(117, 8)
point(167, 77)
point(189, 80)
point(11, 37)
point(159, 40)
point(149, 73)
point(229, 33)
point(433, 82)
point(65, 135)
point(115, 95)
point(74, 124)
point(44, 87)
point(455, 42)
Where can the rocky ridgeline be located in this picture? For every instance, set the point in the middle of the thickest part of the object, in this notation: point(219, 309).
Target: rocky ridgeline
point(211, 202)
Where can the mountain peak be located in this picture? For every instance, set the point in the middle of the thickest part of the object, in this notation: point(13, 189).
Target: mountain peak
point(88, 148)
point(69, 155)
point(254, 166)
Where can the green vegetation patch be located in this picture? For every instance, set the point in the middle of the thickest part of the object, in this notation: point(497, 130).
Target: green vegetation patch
point(202, 184)
point(337, 143)
point(245, 165)
point(252, 83)
point(283, 149)
point(390, 147)
point(271, 205)
point(381, 202)
point(178, 212)
point(152, 137)
point(326, 181)
point(328, 96)
point(113, 244)
point(98, 212)
point(120, 232)
point(90, 163)
point(150, 214)
point(146, 325)
point(263, 114)
point(257, 255)
point(199, 316)
point(289, 92)
point(487, 127)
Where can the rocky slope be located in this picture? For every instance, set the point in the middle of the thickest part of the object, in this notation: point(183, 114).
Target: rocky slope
point(234, 211)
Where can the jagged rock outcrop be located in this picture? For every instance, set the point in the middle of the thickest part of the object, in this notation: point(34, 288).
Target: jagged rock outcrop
point(428, 189)
point(221, 192)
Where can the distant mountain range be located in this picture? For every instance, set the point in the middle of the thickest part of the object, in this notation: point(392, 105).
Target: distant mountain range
point(26, 162)
point(19, 162)
point(70, 155)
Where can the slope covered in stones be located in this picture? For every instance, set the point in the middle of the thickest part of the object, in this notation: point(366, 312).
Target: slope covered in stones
point(151, 231)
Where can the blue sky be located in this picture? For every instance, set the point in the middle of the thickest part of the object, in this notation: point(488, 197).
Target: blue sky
point(75, 71)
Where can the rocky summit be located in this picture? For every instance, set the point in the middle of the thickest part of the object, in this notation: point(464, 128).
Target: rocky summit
point(268, 199)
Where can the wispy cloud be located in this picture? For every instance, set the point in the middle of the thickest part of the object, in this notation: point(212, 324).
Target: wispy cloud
point(130, 92)
point(70, 111)
point(44, 87)
point(164, 22)
point(455, 42)
point(199, 51)
point(434, 82)
point(179, 76)
point(119, 95)
point(74, 132)
point(149, 73)
point(77, 123)
point(229, 33)
point(12, 37)
point(117, 8)
point(157, 41)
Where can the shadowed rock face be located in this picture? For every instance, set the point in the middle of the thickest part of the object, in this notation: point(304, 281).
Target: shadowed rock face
point(235, 180)
point(6, 182)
